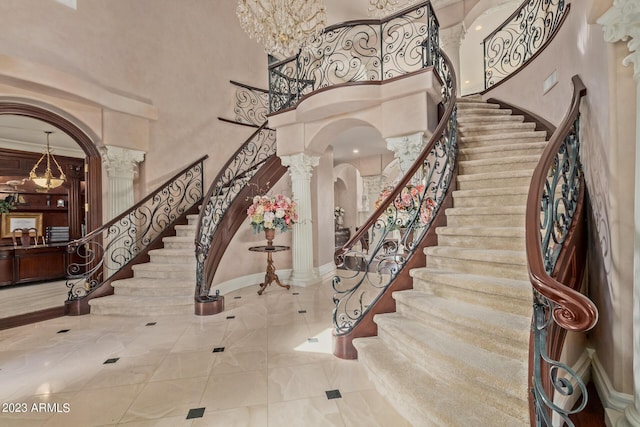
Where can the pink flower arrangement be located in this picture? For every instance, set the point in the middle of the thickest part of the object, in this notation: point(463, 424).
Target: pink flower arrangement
point(406, 204)
point(276, 212)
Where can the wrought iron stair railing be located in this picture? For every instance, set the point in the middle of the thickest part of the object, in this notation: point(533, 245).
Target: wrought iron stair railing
point(254, 165)
point(521, 37)
point(556, 243)
point(104, 254)
point(399, 229)
point(366, 50)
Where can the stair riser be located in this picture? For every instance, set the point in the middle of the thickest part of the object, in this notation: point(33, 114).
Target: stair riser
point(173, 259)
point(467, 112)
point(488, 120)
point(469, 154)
point(475, 382)
point(476, 184)
point(506, 128)
point(520, 307)
point(471, 168)
point(474, 333)
point(488, 201)
point(176, 245)
point(496, 220)
point(483, 268)
point(496, 141)
point(155, 274)
point(462, 106)
point(483, 242)
point(186, 232)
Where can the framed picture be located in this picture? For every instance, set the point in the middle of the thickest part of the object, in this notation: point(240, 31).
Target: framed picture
point(13, 220)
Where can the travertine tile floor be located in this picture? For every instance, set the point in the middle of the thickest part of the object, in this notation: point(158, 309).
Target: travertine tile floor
point(265, 361)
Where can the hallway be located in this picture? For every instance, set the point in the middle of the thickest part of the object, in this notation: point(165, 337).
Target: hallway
point(265, 361)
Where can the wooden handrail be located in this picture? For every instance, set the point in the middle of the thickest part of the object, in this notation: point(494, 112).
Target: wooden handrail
point(573, 311)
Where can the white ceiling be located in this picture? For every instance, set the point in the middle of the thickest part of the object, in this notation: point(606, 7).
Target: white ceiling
point(27, 134)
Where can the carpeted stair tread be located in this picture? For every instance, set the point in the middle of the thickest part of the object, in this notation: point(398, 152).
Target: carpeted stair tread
point(448, 358)
point(164, 267)
point(504, 149)
point(487, 210)
point(500, 162)
point(496, 175)
point(485, 119)
point(423, 400)
point(490, 129)
point(498, 138)
point(482, 111)
point(480, 319)
point(512, 232)
point(513, 289)
point(467, 254)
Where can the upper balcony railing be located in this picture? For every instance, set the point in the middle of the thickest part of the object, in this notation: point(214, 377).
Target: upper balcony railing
point(521, 37)
point(366, 50)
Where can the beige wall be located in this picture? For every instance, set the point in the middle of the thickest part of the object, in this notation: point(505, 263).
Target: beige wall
point(608, 152)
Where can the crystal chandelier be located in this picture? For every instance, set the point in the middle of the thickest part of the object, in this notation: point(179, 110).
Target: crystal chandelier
point(47, 180)
point(282, 26)
point(380, 8)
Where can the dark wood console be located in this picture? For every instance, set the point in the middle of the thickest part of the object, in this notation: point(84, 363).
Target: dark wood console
point(24, 264)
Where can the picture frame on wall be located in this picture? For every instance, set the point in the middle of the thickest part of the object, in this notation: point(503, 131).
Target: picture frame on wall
point(13, 220)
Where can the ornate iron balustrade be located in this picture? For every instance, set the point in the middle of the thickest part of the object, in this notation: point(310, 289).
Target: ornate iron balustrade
point(555, 252)
point(252, 104)
point(98, 256)
point(520, 37)
point(368, 50)
point(401, 220)
point(234, 177)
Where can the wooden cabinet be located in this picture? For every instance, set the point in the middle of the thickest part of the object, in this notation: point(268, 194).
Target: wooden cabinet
point(32, 264)
point(342, 236)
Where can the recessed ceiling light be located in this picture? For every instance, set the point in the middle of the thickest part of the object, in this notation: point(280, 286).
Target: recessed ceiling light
point(478, 27)
point(466, 82)
point(356, 151)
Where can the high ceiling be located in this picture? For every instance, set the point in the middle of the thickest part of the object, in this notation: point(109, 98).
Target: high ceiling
point(27, 134)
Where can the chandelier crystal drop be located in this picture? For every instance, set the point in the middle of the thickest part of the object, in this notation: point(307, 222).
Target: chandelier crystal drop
point(47, 180)
point(381, 8)
point(282, 26)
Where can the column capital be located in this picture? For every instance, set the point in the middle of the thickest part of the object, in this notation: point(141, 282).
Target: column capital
point(622, 23)
point(300, 165)
point(121, 162)
point(406, 149)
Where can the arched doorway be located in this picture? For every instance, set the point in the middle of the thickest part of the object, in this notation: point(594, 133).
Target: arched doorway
point(93, 168)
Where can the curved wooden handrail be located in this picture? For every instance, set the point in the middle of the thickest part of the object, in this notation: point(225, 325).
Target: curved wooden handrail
point(573, 311)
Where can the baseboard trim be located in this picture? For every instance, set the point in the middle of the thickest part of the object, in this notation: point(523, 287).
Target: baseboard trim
point(614, 402)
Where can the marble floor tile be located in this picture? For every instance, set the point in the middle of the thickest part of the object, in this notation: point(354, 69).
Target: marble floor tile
point(297, 382)
point(275, 368)
point(316, 412)
point(164, 399)
point(226, 391)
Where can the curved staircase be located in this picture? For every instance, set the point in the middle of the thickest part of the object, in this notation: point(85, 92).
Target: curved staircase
point(164, 285)
point(456, 351)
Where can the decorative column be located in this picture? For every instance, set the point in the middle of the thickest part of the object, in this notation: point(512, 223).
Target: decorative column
point(622, 23)
point(122, 168)
point(406, 149)
point(450, 40)
point(300, 167)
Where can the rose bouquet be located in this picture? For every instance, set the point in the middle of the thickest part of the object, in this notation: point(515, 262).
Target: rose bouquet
point(406, 206)
point(275, 212)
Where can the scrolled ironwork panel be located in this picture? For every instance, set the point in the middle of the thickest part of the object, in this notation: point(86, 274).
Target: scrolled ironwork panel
point(230, 182)
point(517, 41)
point(98, 256)
point(403, 38)
point(252, 106)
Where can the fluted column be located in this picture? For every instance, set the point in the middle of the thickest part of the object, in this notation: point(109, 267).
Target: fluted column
point(450, 40)
point(122, 168)
point(300, 168)
point(406, 149)
point(622, 23)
